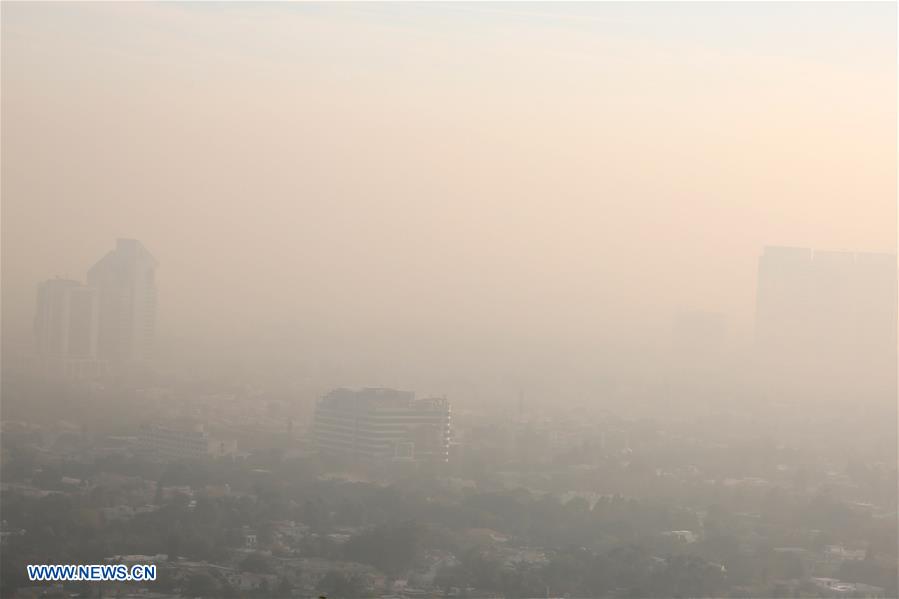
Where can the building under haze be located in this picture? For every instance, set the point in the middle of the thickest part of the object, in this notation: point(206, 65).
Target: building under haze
point(66, 328)
point(126, 290)
point(174, 442)
point(826, 321)
point(383, 423)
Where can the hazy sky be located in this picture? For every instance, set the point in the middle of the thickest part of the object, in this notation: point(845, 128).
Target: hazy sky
point(450, 185)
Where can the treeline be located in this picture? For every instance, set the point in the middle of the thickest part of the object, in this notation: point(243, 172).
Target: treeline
point(611, 546)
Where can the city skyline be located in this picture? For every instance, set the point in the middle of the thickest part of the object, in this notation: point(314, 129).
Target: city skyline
point(625, 161)
point(103, 327)
point(461, 300)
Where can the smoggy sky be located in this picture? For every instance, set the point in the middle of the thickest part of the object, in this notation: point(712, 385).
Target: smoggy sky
point(448, 186)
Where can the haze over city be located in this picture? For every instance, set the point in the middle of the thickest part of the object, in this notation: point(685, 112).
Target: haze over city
point(632, 250)
point(421, 191)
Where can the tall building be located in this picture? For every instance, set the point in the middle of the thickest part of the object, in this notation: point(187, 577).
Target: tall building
point(826, 321)
point(126, 287)
point(66, 328)
point(383, 424)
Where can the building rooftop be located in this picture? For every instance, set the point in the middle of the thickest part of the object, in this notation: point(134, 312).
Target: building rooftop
point(378, 397)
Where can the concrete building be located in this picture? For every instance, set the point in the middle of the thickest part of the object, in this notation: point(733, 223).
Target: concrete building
point(66, 329)
point(181, 442)
point(125, 282)
point(383, 424)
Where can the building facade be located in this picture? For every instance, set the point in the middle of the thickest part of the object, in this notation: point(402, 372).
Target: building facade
point(66, 327)
point(126, 290)
point(174, 442)
point(380, 423)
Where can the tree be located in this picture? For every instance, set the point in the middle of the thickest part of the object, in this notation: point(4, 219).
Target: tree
point(202, 584)
point(173, 546)
point(284, 587)
point(340, 585)
point(255, 563)
point(390, 548)
point(688, 576)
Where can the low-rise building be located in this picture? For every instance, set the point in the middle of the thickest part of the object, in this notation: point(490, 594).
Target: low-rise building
point(174, 442)
point(383, 424)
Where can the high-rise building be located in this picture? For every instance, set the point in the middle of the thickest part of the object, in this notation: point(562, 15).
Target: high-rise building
point(126, 287)
point(66, 328)
point(383, 424)
point(826, 321)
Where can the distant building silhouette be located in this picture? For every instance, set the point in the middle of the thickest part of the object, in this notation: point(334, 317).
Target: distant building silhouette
point(66, 328)
point(826, 322)
point(382, 423)
point(125, 282)
point(86, 331)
